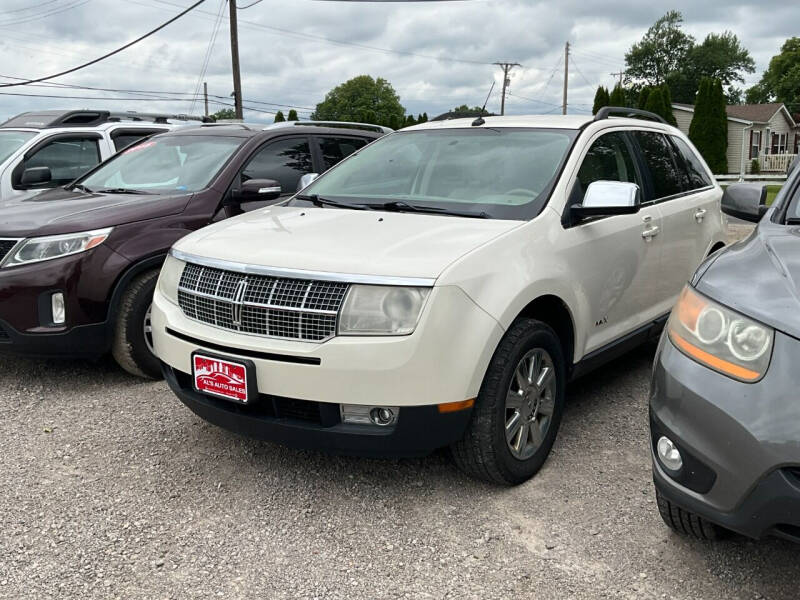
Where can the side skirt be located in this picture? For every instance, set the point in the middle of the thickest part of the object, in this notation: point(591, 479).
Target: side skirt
point(618, 347)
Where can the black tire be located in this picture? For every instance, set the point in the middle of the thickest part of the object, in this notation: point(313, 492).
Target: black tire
point(130, 349)
point(686, 523)
point(483, 452)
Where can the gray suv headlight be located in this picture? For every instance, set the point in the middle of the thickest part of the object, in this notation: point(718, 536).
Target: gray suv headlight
point(720, 338)
point(381, 310)
point(55, 246)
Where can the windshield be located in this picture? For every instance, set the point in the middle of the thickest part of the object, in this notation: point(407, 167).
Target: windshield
point(162, 165)
point(11, 141)
point(504, 173)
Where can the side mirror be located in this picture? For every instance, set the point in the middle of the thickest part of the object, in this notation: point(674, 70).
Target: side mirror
point(306, 180)
point(36, 176)
point(607, 198)
point(260, 189)
point(746, 201)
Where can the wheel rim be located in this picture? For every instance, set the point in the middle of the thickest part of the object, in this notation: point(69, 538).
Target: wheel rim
point(148, 329)
point(530, 402)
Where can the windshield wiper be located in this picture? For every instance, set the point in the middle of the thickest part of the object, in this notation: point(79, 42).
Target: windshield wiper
point(793, 220)
point(81, 187)
point(121, 191)
point(400, 206)
point(318, 200)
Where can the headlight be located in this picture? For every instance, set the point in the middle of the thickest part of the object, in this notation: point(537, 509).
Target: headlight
point(381, 310)
point(170, 277)
point(55, 246)
point(720, 338)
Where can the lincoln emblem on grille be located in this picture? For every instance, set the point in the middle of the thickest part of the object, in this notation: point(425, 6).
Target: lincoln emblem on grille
point(241, 288)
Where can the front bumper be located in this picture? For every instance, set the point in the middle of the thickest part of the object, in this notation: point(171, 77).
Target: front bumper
point(443, 361)
point(85, 279)
point(742, 441)
point(418, 431)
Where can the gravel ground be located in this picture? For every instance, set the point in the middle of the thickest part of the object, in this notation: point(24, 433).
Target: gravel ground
point(112, 489)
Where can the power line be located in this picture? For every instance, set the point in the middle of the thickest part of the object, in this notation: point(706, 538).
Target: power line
point(249, 5)
point(29, 18)
point(580, 73)
point(112, 53)
point(307, 36)
point(207, 57)
point(35, 6)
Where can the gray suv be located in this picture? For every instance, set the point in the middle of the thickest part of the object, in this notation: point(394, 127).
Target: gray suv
point(724, 402)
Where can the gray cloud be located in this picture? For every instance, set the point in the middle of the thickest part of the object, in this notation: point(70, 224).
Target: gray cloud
point(295, 67)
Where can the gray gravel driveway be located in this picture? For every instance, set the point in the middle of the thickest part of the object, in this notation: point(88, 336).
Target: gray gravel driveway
point(112, 489)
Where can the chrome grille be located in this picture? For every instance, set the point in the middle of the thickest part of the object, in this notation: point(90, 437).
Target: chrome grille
point(5, 247)
point(300, 309)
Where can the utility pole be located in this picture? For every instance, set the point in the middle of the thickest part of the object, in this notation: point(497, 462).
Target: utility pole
point(566, 78)
point(205, 95)
point(621, 73)
point(506, 82)
point(237, 79)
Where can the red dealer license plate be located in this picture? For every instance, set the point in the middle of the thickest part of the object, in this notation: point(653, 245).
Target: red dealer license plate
point(219, 377)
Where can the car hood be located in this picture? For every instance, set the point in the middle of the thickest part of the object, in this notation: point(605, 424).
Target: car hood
point(760, 277)
point(344, 241)
point(62, 211)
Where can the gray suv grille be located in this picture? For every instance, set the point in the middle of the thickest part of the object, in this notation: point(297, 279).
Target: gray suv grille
point(5, 247)
point(299, 309)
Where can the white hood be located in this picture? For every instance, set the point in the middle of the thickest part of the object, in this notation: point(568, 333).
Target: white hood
point(344, 241)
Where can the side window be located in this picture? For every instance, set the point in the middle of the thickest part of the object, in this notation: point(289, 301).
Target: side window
point(608, 159)
point(698, 178)
point(67, 158)
point(668, 179)
point(285, 161)
point(335, 149)
point(124, 138)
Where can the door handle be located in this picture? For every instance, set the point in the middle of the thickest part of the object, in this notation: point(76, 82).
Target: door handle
point(698, 216)
point(649, 233)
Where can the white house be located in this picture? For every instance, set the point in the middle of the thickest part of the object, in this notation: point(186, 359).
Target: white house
point(763, 132)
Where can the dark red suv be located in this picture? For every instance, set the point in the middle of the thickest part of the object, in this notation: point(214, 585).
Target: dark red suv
point(78, 264)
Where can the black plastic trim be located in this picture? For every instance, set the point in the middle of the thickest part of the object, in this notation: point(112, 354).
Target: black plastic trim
point(607, 111)
point(233, 352)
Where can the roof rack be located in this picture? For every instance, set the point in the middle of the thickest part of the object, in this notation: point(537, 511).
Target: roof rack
point(343, 124)
point(623, 111)
point(228, 124)
point(88, 118)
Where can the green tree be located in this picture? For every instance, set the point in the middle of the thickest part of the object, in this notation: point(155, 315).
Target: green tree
point(362, 99)
point(709, 127)
point(661, 51)
point(410, 120)
point(642, 101)
point(655, 102)
point(618, 96)
point(601, 99)
point(781, 81)
point(720, 56)
point(422, 118)
point(225, 113)
point(292, 115)
point(279, 118)
point(669, 115)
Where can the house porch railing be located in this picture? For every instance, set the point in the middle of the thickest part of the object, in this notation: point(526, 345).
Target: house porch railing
point(775, 163)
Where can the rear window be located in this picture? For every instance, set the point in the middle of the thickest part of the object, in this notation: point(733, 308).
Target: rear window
point(668, 179)
point(698, 177)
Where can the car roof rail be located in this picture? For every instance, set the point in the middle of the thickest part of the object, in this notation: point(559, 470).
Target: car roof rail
point(342, 124)
point(48, 119)
point(623, 111)
point(227, 124)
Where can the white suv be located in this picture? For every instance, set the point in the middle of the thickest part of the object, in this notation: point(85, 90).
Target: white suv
point(439, 287)
point(50, 148)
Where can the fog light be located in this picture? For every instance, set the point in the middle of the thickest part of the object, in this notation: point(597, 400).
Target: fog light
point(58, 308)
point(360, 414)
point(668, 454)
point(382, 416)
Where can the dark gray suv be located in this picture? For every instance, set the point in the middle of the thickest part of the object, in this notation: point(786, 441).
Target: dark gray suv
point(725, 393)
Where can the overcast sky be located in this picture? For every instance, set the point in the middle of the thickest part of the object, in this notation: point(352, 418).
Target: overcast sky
point(436, 54)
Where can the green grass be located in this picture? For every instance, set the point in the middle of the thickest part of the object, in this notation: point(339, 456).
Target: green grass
point(772, 191)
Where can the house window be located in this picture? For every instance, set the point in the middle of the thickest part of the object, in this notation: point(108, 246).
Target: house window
point(755, 144)
point(779, 141)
